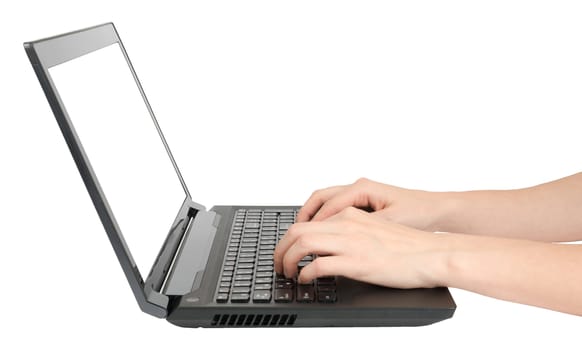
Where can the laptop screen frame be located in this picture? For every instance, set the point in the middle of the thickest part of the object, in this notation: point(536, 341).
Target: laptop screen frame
point(49, 52)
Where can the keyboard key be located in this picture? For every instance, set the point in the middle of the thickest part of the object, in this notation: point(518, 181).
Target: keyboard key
point(223, 290)
point(305, 293)
point(265, 263)
point(264, 268)
point(245, 266)
point(262, 296)
point(263, 286)
point(264, 274)
point(264, 280)
point(326, 297)
point(283, 295)
point(266, 257)
point(242, 284)
point(242, 290)
point(286, 284)
point(243, 278)
point(222, 298)
point(240, 298)
point(244, 271)
point(246, 260)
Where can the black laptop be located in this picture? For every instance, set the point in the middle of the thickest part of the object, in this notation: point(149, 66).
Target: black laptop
point(205, 268)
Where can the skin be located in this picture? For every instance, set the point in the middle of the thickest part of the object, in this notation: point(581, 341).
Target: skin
point(496, 243)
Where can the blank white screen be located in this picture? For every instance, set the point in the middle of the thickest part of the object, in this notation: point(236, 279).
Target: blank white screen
point(124, 148)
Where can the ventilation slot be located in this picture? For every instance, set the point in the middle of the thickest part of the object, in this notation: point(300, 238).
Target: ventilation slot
point(244, 320)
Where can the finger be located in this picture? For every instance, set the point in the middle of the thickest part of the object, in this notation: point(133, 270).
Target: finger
point(315, 201)
point(328, 266)
point(354, 197)
point(318, 243)
point(294, 232)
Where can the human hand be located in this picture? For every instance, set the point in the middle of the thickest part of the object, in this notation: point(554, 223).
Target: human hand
point(364, 247)
point(419, 209)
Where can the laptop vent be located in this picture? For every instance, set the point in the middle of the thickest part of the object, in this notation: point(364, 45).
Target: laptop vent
point(246, 320)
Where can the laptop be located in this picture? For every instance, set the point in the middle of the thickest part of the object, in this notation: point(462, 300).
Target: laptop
point(192, 266)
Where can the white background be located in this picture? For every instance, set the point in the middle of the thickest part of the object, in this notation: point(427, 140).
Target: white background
point(438, 95)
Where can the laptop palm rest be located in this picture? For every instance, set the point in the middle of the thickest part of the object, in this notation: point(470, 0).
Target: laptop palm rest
point(190, 263)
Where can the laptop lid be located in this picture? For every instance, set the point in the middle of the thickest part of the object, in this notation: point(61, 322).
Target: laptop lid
point(120, 151)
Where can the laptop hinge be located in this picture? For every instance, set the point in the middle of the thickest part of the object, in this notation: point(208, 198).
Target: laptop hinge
point(158, 302)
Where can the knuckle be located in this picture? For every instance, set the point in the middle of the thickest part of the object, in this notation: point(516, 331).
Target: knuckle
point(303, 242)
point(362, 181)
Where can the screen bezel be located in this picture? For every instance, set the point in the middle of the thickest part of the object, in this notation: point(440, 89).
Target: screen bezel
point(46, 53)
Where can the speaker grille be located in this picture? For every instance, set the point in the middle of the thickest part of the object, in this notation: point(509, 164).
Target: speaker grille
point(252, 320)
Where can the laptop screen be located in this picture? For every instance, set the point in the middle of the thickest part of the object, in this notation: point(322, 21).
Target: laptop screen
point(124, 148)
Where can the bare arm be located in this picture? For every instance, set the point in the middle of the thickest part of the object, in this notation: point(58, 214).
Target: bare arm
point(548, 212)
point(547, 275)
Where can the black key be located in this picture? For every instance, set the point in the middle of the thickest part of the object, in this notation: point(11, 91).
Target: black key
point(264, 274)
point(326, 280)
point(241, 284)
point(283, 295)
point(265, 268)
point(264, 280)
point(240, 298)
point(245, 266)
point(281, 277)
point(243, 278)
point(222, 298)
point(286, 284)
point(262, 296)
point(241, 290)
point(305, 293)
point(325, 288)
point(326, 297)
point(263, 286)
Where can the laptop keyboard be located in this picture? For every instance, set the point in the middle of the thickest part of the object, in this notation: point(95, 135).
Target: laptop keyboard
point(248, 275)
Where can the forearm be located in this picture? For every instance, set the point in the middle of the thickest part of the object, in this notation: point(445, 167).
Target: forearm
point(547, 275)
point(547, 212)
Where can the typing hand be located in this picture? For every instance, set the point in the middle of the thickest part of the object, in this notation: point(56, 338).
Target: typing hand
point(414, 208)
point(362, 246)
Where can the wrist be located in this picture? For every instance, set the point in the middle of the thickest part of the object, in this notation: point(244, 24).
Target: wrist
point(447, 207)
